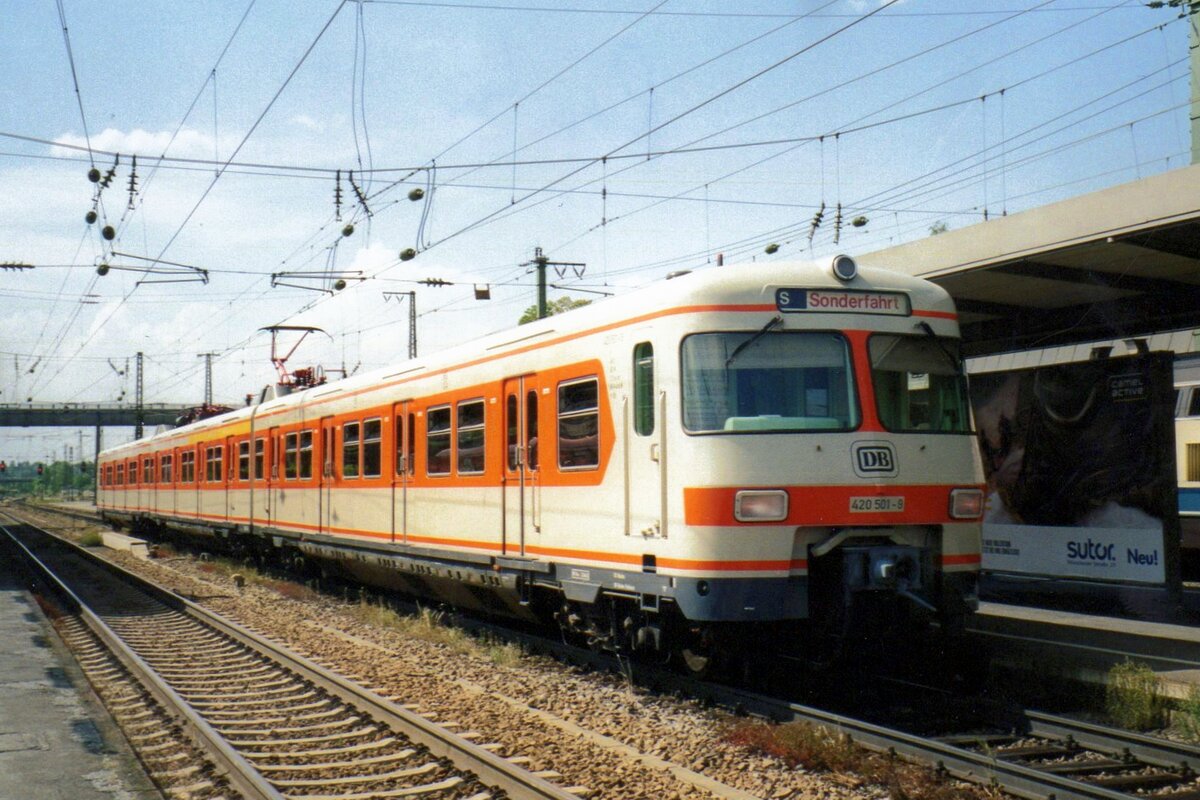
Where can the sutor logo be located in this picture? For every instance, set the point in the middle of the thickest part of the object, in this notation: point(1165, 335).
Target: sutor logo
point(875, 460)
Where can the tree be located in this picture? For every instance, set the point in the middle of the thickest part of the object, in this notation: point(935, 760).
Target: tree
point(564, 303)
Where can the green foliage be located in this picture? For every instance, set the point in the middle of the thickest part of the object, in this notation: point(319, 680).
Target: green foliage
point(1132, 698)
point(57, 479)
point(938, 227)
point(564, 303)
point(91, 539)
point(1188, 718)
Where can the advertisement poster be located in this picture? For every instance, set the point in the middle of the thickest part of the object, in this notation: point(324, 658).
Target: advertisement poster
point(1080, 468)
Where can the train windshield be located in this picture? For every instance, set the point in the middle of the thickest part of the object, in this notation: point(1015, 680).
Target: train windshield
point(919, 384)
point(768, 381)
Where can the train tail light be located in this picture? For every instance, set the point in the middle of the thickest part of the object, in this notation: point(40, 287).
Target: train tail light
point(760, 505)
point(966, 503)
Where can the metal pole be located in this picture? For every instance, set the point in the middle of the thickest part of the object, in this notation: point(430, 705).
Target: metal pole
point(140, 413)
point(541, 261)
point(208, 357)
point(96, 476)
point(412, 324)
point(1194, 53)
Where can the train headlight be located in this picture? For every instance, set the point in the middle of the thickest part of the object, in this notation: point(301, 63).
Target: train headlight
point(760, 505)
point(966, 503)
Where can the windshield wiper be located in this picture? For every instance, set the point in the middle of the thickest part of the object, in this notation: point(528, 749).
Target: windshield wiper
point(955, 363)
point(774, 322)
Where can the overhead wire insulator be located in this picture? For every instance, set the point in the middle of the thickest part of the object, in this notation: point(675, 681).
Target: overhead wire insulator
point(112, 173)
point(337, 199)
point(358, 192)
point(837, 224)
point(133, 179)
point(816, 222)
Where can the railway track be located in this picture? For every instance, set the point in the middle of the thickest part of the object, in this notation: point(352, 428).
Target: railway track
point(1028, 754)
point(268, 723)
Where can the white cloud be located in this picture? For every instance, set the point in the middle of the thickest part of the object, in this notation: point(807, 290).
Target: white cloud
point(189, 143)
point(305, 121)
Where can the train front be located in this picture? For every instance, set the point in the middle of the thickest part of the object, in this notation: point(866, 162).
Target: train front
point(833, 483)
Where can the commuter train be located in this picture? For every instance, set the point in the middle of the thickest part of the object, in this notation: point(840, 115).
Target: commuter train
point(765, 452)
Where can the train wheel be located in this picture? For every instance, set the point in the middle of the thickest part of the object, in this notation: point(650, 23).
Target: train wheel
point(698, 654)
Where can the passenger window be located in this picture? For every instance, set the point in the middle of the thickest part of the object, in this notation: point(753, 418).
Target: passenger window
point(306, 455)
point(579, 424)
point(531, 428)
point(291, 452)
point(372, 448)
point(437, 441)
point(401, 462)
point(260, 452)
point(213, 464)
point(410, 458)
point(351, 445)
point(512, 446)
point(470, 437)
point(244, 460)
point(643, 389)
point(148, 470)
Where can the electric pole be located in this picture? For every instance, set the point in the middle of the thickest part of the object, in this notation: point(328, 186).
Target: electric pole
point(208, 357)
point(140, 412)
point(412, 317)
point(539, 263)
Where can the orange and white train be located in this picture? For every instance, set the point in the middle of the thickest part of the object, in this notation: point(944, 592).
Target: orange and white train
point(760, 447)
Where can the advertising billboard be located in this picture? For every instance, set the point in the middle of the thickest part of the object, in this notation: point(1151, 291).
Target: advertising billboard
point(1080, 467)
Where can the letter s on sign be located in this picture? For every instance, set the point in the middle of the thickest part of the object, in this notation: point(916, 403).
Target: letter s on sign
point(784, 298)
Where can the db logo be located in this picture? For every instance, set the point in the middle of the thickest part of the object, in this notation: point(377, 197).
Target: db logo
point(874, 460)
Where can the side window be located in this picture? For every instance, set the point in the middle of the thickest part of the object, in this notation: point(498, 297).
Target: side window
point(437, 441)
point(148, 470)
point(306, 455)
point(512, 444)
point(470, 437)
point(213, 463)
point(579, 424)
point(531, 427)
point(164, 468)
point(1194, 403)
point(120, 474)
point(260, 452)
point(410, 458)
point(372, 460)
point(351, 445)
point(291, 452)
point(402, 462)
point(244, 460)
point(643, 389)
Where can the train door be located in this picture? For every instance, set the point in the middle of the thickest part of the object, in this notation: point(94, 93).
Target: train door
point(274, 442)
point(645, 447)
point(402, 467)
point(520, 482)
point(229, 467)
point(325, 482)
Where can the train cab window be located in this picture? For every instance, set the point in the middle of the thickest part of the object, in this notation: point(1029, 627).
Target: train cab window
point(372, 448)
point(919, 384)
point(244, 460)
point(643, 389)
point(291, 454)
point(260, 453)
point(166, 468)
point(471, 438)
point(579, 424)
point(437, 441)
point(768, 381)
point(351, 447)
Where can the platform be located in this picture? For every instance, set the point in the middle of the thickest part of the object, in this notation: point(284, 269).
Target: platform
point(1087, 646)
point(56, 742)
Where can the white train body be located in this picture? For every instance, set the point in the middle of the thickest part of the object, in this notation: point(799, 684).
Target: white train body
point(697, 449)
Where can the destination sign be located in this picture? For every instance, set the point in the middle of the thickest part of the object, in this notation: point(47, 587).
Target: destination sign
point(841, 301)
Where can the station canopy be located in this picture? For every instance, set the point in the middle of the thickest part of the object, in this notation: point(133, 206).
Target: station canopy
point(1120, 263)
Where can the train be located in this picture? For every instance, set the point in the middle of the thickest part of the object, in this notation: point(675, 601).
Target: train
point(739, 455)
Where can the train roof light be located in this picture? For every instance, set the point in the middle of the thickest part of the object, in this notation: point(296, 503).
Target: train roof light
point(844, 268)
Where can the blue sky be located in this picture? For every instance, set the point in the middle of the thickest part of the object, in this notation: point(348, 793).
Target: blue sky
point(931, 111)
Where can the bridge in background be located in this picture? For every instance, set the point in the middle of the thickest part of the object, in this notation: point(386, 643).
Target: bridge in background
point(79, 415)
